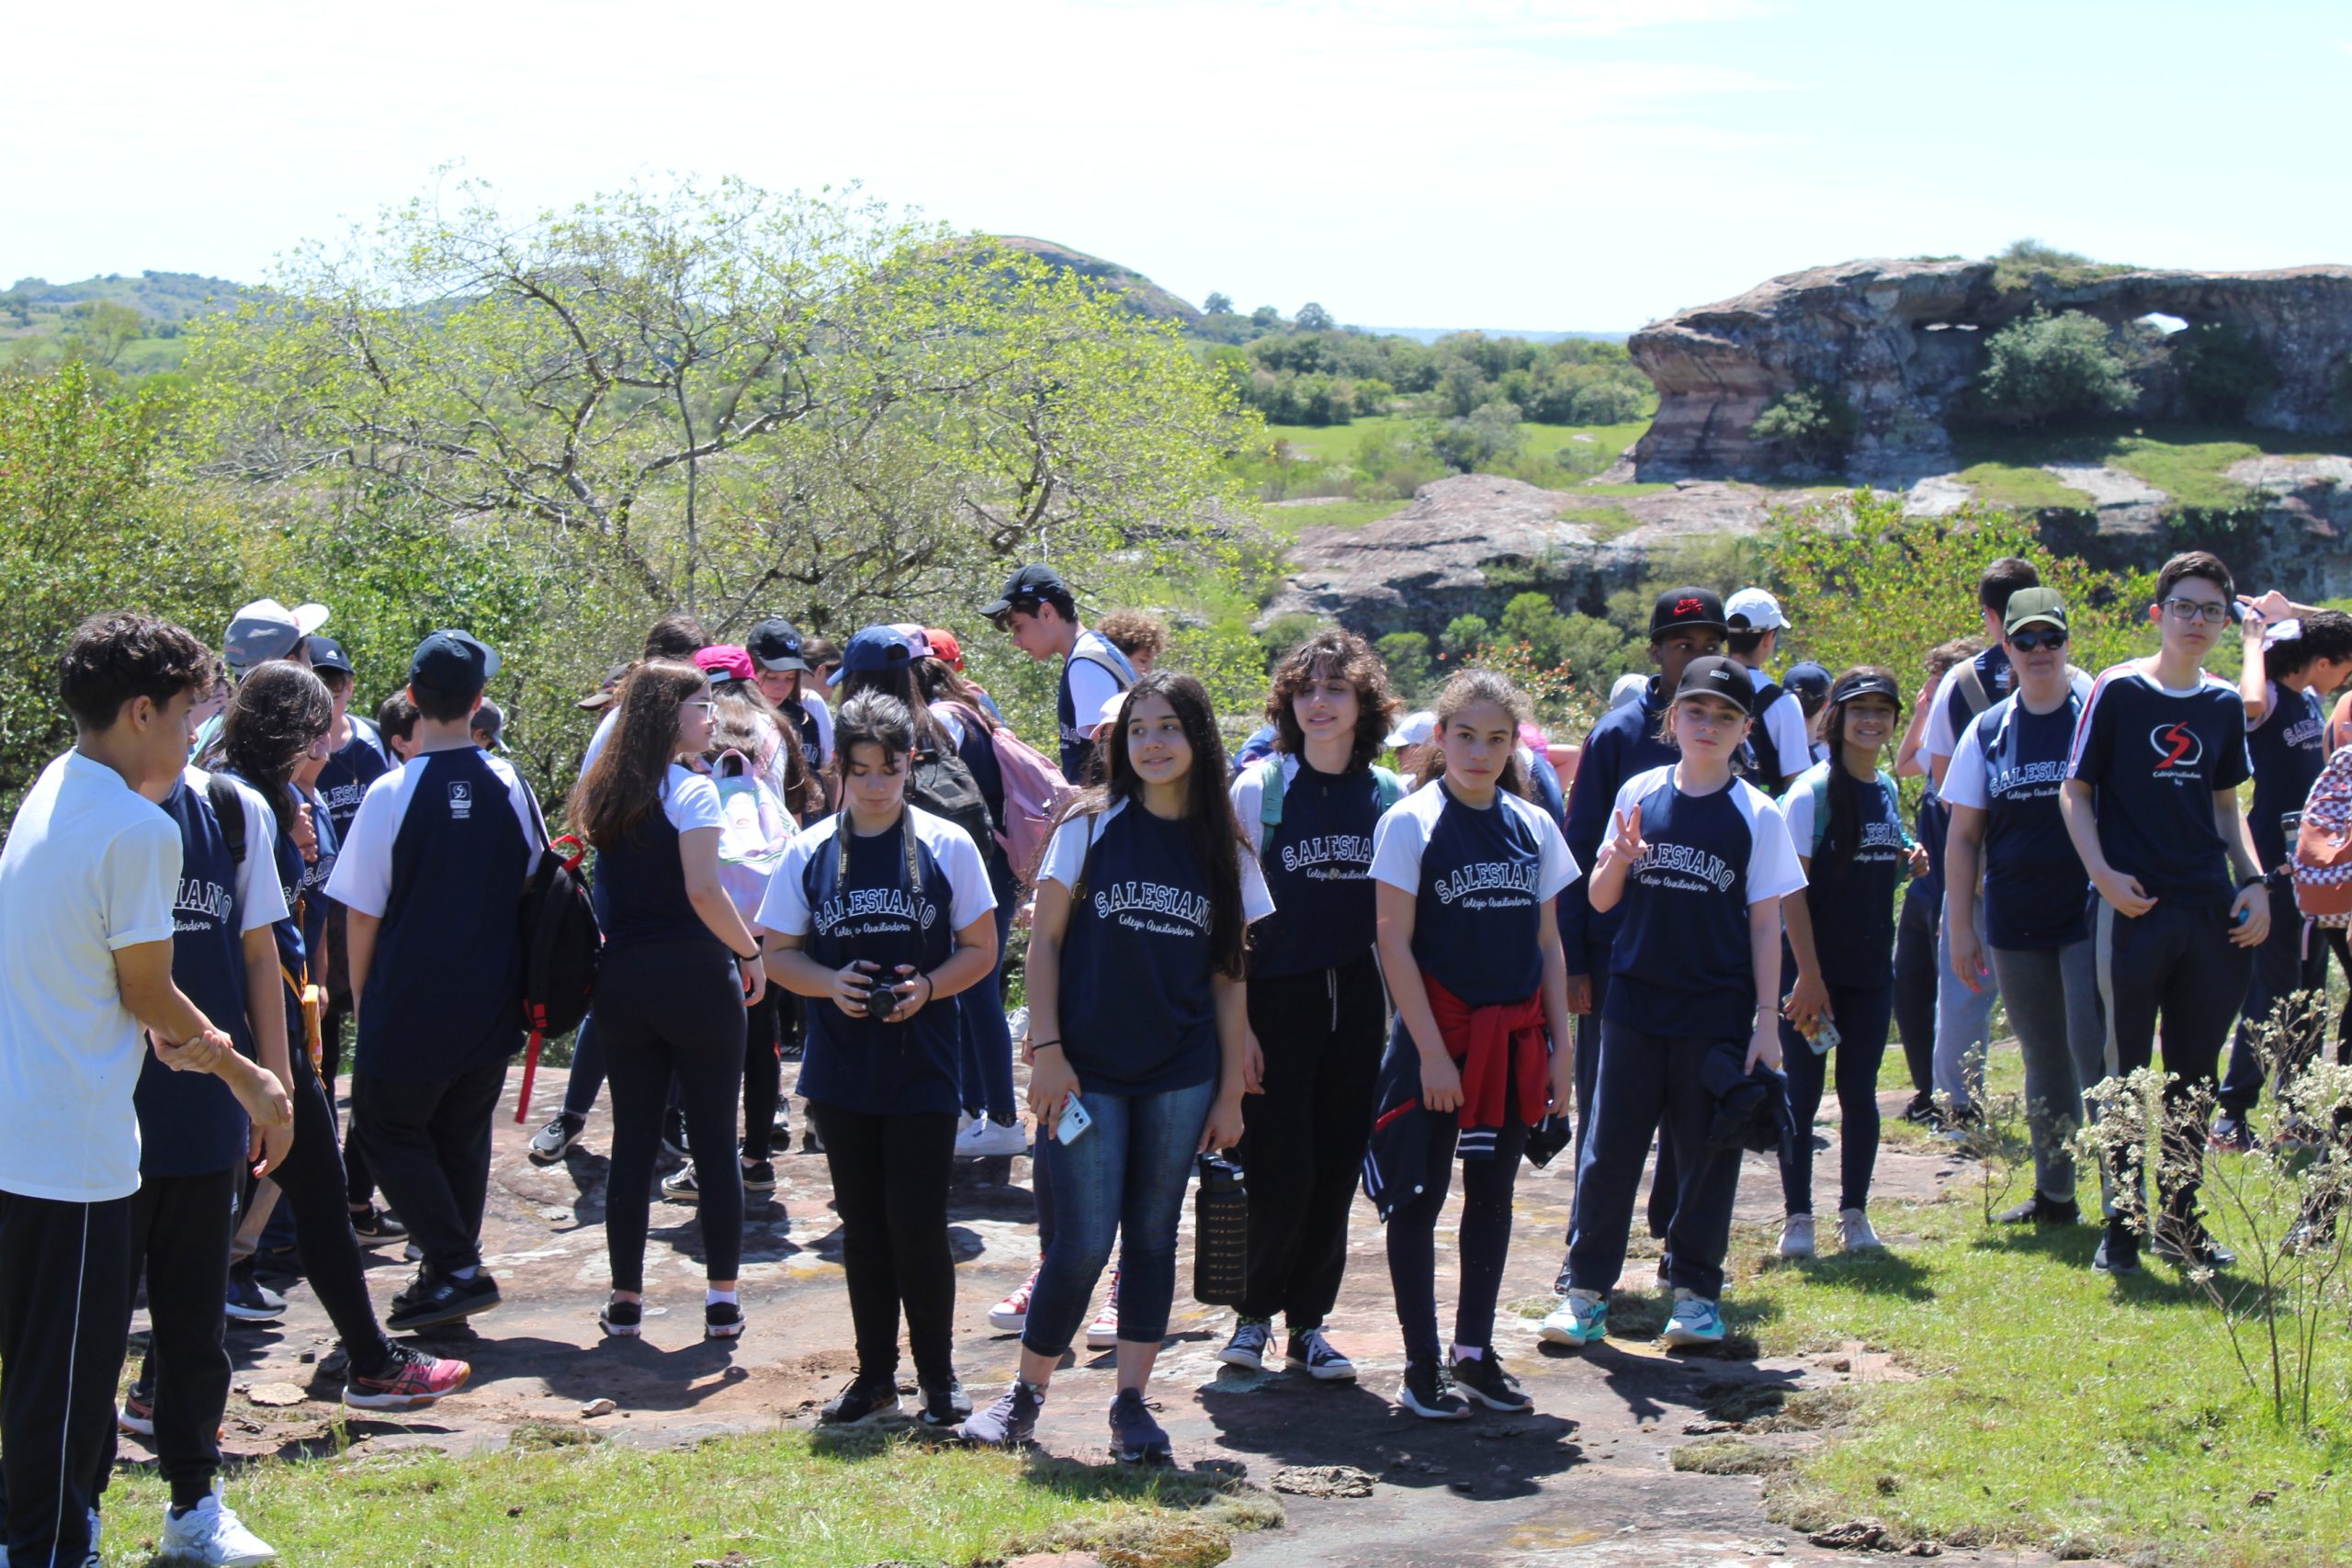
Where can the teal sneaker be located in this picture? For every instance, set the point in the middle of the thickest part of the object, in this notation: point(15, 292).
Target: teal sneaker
point(1580, 1319)
point(1695, 1321)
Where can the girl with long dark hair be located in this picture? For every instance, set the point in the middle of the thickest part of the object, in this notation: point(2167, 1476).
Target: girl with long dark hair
point(1139, 1016)
point(679, 966)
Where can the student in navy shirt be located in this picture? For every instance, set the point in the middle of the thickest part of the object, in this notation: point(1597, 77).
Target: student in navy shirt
point(357, 758)
point(884, 904)
point(1038, 611)
point(1699, 860)
point(2006, 771)
point(1138, 1012)
point(2293, 657)
point(1846, 821)
point(1917, 928)
point(433, 875)
point(1317, 1011)
point(1468, 872)
point(2151, 804)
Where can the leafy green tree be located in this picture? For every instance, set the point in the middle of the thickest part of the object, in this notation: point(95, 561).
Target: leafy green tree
point(1314, 318)
point(1532, 619)
point(1813, 424)
point(2042, 368)
point(1465, 445)
point(1267, 317)
point(1218, 305)
point(1406, 655)
point(1465, 635)
point(2223, 371)
point(99, 330)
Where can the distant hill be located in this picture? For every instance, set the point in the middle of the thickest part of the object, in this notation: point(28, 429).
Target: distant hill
point(1430, 334)
point(168, 298)
point(1147, 298)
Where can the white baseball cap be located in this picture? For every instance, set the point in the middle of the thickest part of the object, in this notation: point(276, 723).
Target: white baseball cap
point(1415, 730)
point(1753, 610)
point(1111, 706)
point(1628, 689)
point(266, 629)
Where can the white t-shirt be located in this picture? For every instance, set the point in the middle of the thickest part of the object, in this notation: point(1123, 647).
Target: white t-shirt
point(1784, 722)
point(785, 908)
point(690, 799)
point(260, 901)
point(596, 742)
point(821, 711)
point(1065, 861)
point(90, 867)
point(1091, 684)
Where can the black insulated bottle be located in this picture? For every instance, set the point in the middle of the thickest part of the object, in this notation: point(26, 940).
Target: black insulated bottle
point(1220, 1233)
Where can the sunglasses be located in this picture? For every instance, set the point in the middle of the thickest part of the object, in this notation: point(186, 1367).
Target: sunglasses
point(2034, 641)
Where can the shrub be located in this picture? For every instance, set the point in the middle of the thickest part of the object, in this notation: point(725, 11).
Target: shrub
point(2044, 367)
point(1467, 445)
point(1813, 424)
point(2223, 371)
point(1464, 636)
point(1408, 657)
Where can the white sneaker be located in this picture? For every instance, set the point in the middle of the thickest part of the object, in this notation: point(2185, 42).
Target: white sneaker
point(1854, 1226)
point(211, 1534)
point(1695, 1321)
point(1103, 1334)
point(985, 1139)
point(964, 1119)
point(1796, 1236)
point(1012, 1315)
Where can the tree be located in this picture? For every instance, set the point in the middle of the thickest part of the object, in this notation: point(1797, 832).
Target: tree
point(1812, 423)
point(1314, 318)
point(99, 330)
point(2043, 368)
point(1406, 655)
point(2223, 371)
point(1464, 636)
point(1218, 305)
point(1467, 445)
point(1531, 618)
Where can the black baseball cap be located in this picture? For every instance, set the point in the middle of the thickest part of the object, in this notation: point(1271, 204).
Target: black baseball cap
point(1715, 676)
point(774, 645)
point(1679, 607)
point(452, 662)
point(1807, 678)
point(327, 654)
point(1038, 582)
point(1866, 682)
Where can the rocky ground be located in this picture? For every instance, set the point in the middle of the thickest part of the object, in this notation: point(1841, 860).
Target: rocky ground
point(1585, 1482)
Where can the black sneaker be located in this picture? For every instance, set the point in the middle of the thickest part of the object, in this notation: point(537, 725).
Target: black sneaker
point(373, 1224)
point(1427, 1392)
point(2118, 1250)
point(862, 1399)
point(2185, 1244)
point(674, 1132)
point(249, 1301)
point(447, 1300)
point(722, 1320)
point(1484, 1380)
point(947, 1406)
point(2230, 1133)
point(554, 1141)
point(1921, 1112)
point(1010, 1422)
point(759, 1176)
point(2040, 1211)
point(1136, 1437)
point(622, 1320)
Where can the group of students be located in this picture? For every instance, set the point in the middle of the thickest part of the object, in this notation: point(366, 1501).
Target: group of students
point(1350, 977)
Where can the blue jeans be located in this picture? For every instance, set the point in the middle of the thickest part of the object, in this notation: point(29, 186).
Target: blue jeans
point(587, 1070)
point(1124, 1177)
point(1963, 1023)
point(2283, 966)
point(1646, 1079)
point(987, 1044)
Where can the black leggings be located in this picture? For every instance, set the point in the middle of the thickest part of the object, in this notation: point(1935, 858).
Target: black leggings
point(1915, 991)
point(662, 1010)
point(311, 1183)
point(889, 1177)
point(1484, 1243)
point(358, 1183)
point(766, 1026)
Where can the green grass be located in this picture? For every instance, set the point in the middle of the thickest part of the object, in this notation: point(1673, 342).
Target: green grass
point(2015, 485)
point(2188, 462)
point(1339, 443)
point(783, 1500)
point(1607, 523)
point(1288, 521)
point(1594, 488)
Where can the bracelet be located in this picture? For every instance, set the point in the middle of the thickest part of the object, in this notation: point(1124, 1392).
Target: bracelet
point(1037, 1045)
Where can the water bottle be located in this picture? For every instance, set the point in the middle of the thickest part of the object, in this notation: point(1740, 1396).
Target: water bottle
point(1220, 1233)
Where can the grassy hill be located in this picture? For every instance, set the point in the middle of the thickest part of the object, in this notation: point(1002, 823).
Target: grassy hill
point(130, 324)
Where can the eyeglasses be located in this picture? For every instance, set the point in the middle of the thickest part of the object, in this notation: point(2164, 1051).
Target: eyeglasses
point(2212, 612)
point(2033, 642)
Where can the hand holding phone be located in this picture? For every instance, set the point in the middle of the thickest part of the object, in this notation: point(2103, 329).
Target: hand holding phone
point(1073, 1122)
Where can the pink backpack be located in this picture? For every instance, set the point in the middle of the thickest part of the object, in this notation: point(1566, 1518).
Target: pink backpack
point(1034, 793)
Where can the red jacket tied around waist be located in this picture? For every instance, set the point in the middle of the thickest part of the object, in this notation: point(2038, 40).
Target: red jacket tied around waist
point(1495, 1047)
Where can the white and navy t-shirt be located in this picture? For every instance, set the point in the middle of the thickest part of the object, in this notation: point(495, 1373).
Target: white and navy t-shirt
point(882, 912)
point(1094, 672)
point(1849, 891)
point(189, 1124)
point(1137, 1013)
point(1681, 964)
point(1317, 865)
point(1949, 714)
point(343, 783)
point(1479, 878)
point(439, 853)
point(641, 878)
point(2011, 766)
point(2288, 748)
point(90, 867)
point(2155, 758)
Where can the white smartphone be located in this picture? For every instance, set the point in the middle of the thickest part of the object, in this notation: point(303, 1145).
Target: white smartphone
point(1072, 1122)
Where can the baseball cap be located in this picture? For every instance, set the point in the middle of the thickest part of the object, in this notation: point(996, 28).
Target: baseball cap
point(1036, 582)
point(2028, 606)
point(1866, 682)
point(602, 696)
point(488, 720)
point(1111, 706)
point(918, 637)
point(874, 648)
point(1414, 729)
point(945, 647)
point(1753, 610)
point(1628, 689)
point(725, 661)
point(1807, 678)
point(1715, 676)
point(774, 644)
point(327, 654)
point(452, 662)
point(266, 629)
point(1679, 607)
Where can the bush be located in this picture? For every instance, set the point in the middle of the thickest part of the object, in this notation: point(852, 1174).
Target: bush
point(1465, 445)
point(2223, 371)
point(1464, 636)
point(1285, 632)
point(1813, 424)
point(1406, 655)
point(2045, 367)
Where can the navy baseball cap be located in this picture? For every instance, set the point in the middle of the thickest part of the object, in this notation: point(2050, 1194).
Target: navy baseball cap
point(327, 654)
point(774, 644)
point(1038, 582)
point(1679, 607)
point(873, 649)
point(452, 662)
point(1715, 676)
point(1807, 679)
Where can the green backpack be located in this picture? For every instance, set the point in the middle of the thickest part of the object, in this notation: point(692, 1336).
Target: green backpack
point(1816, 782)
point(1386, 786)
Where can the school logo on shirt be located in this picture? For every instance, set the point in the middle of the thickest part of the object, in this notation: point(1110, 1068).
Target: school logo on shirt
point(1134, 905)
point(892, 909)
point(2304, 732)
point(1663, 865)
point(1330, 857)
point(1488, 877)
point(201, 905)
point(461, 800)
point(2177, 748)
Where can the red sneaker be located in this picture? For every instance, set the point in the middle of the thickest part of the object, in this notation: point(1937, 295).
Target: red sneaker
point(409, 1380)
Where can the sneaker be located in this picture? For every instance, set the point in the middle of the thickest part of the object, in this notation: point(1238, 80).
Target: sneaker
point(1796, 1236)
point(2188, 1245)
point(449, 1300)
point(1695, 1321)
point(1136, 1437)
point(1311, 1353)
point(809, 1142)
point(674, 1132)
point(210, 1533)
point(679, 1186)
point(2230, 1133)
point(1103, 1334)
point(2040, 1211)
point(947, 1406)
point(1429, 1394)
point(1854, 1232)
point(759, 1176)
point(985, 1139)
point(373, 1224)
point(1010, 1422)
point(861, 1399)
point(1484, 1380)
point(554, 1141)
point(409, 1380)
point(1012, 1315)
point(1580, 1319)
point(622, 1320)
point(250, 1300)
point(1247, 1348)
point(136, 1413)
point(1921, 1112)
point(2118, 1250)
point(722, 1320)
point(408, 1296)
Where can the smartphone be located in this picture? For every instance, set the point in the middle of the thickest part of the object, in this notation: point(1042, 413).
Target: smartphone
point(1072, 1122)
point(1827, 1037)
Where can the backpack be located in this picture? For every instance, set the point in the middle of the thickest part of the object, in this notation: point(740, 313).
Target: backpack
point(1763, 754)
point(2323, 865)
point(230, 808)
point(754, 830)
point(1386, 786)
point(944, 786)
point(1815, 781)
point(1034, 793)
point(560, 939)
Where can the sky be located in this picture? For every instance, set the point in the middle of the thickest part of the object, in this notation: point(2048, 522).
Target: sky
point(1539, 164)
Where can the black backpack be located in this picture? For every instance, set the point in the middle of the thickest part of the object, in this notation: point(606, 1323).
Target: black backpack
point(561, 941)
point(230, 808)
point(943, 785)
point(1763, 758)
